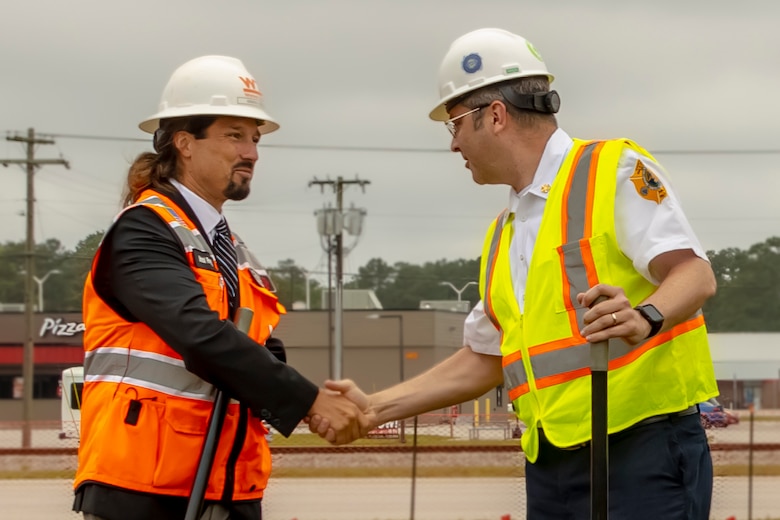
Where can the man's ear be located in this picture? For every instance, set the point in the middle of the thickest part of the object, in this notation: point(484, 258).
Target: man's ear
point(499, 116)
point(183, 142)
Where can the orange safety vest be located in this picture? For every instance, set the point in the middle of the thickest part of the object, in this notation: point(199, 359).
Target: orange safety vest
point(546, 361)
point(144, 415)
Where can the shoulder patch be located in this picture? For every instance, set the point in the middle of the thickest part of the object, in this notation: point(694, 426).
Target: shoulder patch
point(647, 185)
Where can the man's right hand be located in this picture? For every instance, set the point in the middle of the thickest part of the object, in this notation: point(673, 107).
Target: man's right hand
point(337, 419)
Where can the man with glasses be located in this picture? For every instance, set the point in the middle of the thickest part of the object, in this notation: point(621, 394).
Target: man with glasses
point(593, 246)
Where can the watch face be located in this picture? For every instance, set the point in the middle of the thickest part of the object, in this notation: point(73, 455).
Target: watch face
point(651, 313)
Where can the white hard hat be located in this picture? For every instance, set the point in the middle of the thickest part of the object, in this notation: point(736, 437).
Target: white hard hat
point(481, 58)
point(211, 85)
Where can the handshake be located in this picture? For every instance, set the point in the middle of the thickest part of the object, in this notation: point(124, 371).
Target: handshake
point(341, 413)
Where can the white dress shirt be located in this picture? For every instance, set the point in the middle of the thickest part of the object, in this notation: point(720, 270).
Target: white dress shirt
point(644, 229)
point(207, 214)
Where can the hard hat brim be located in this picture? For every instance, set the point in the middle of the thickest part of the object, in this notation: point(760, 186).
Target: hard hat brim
point(266, 124)
point(439, 113)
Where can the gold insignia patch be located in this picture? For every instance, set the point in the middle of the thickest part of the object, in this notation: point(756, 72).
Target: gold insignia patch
point(545, 188)
point(647, 185)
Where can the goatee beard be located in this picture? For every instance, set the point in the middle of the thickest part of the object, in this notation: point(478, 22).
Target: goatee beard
point(237, 191)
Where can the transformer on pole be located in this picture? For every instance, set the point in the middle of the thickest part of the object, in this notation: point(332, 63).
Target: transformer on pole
point(331, 225)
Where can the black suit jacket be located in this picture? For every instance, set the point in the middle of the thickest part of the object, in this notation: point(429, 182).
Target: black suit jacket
point(144, 276)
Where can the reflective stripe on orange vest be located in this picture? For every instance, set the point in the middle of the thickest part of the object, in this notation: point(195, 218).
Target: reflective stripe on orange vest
point(191, 239)
point(145, 369)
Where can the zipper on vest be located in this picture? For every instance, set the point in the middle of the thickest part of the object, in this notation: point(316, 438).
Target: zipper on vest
point(235, 451)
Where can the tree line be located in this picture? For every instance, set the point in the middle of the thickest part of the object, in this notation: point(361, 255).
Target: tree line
point(747, 300)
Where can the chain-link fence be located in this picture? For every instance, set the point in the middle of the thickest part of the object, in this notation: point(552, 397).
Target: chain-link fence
point(436, 467)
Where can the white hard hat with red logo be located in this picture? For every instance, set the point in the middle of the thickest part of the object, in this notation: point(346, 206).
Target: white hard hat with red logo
point(481, 58)
point(211, 86)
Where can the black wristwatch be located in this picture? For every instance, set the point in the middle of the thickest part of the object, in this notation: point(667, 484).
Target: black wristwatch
point(653, 317)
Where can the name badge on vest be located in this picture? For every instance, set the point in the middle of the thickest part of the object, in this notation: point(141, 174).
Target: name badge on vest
point(203, 260)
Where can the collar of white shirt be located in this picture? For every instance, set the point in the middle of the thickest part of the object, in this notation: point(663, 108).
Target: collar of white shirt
point(558, 145)
point(207, 214)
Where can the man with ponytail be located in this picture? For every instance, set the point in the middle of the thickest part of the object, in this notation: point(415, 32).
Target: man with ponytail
point(159, 304)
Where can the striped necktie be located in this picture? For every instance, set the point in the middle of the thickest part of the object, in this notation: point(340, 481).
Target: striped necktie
point(226, 258)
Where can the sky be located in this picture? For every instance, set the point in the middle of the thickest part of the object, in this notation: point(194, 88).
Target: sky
point(352, 82)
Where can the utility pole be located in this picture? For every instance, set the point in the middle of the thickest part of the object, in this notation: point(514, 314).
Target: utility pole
point(333, 226)
point(28, 358)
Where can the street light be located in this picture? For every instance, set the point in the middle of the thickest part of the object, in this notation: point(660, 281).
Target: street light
point(40, 282)
point(402, 436)
point(456, 289)
point(401, 353)
point(400, 319)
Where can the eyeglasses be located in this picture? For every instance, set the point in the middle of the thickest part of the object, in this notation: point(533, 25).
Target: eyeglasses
point(450, 123)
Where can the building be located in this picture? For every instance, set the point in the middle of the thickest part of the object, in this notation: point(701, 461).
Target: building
point(58, 345)
point(747, 366)
point(376, 353)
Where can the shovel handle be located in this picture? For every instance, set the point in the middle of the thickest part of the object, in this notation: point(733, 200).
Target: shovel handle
point(599, 444)
point(221, 401)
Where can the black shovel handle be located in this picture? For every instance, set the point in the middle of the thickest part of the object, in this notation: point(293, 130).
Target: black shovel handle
point(599, 445)
point(217, 418)
point(599, 442)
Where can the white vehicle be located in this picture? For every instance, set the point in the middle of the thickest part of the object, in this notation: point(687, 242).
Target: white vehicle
point(70, 412)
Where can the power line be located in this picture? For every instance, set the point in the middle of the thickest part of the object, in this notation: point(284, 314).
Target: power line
point(402, 149)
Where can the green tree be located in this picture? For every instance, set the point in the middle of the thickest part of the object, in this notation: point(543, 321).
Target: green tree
point(376, 275)
point(67, 271)
point(748, 296)
point(290, 281)
point(47, 258)
point(11, 267)
point(405, 285)
point(76, 265)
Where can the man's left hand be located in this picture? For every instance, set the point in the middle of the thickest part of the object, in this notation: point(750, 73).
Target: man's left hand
point(613, 317)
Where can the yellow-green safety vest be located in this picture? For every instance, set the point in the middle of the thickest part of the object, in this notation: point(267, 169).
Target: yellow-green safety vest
point(546, 361)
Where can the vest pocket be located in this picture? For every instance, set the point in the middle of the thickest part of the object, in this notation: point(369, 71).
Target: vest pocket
point(266, 306)
point(129, 450)
point(214, 288)
point(180, 440)
point(254, 463)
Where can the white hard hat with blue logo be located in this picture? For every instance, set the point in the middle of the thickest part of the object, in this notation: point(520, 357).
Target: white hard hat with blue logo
point(481, 58)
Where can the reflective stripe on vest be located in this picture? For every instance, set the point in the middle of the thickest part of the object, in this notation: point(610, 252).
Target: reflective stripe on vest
point(145, 369)
point(504, 218)
point(191, 239)
point(515, 378)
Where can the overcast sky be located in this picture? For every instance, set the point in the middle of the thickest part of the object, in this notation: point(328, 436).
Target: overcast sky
point(686, 77)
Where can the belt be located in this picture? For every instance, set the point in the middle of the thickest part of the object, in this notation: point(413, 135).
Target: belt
point(691, 410)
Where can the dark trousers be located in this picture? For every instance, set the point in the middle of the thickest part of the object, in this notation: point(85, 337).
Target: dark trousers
point(658, 470)
point(212, 512)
